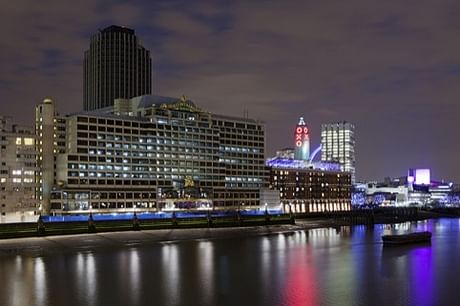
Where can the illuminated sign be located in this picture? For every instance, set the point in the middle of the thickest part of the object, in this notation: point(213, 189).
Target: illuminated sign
point(419, 176)
point(422, 176)
point(301, 133)
point(302, 141)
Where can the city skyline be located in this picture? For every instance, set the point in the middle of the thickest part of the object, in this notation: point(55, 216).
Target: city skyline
point(389, 69)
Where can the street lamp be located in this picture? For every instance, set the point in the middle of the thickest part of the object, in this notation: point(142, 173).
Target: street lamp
point(291, 214)
point(267, 216)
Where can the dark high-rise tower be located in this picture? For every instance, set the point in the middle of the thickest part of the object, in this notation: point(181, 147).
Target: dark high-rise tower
point(116, 66)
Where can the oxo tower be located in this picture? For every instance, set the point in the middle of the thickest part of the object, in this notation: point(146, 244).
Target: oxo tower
point(302, 141)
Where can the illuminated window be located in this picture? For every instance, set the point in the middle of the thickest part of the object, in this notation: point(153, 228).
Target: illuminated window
point(17, 172)
point(29, 141)
point(17, 180)
point(18, 141)
point(3, 180)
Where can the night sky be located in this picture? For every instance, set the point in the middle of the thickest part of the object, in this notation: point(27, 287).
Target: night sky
point(390, 67)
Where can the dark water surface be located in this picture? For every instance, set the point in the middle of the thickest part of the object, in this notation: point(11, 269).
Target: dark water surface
point(316, 267)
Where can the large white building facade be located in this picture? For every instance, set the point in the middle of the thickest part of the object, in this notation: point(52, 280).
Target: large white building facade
point(153, 153)
point(338, 145)
point(17, 171)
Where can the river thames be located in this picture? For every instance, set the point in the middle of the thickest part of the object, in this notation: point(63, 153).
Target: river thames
point(343, 266)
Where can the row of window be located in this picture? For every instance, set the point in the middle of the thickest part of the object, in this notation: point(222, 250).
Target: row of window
point(235, 127)
point(178, 158)
point(211, 182)
point(315, 195)
point(18, 180)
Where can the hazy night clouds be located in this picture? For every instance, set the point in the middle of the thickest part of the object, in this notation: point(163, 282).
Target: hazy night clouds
point(392, 67)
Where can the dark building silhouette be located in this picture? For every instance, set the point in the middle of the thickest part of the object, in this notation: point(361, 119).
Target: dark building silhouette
point(115, 66)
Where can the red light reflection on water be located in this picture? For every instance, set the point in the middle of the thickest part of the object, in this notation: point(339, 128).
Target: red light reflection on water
point(300, 287)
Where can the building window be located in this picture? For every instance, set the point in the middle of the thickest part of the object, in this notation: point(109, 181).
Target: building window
point(28, 141)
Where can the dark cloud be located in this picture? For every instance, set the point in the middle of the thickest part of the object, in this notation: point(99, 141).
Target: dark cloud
point(390, 67)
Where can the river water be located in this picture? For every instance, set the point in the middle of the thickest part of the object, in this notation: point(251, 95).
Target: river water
point(346, 266)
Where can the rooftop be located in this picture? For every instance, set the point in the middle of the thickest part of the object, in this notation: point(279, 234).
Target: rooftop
point(145, 101)
point(117, 28)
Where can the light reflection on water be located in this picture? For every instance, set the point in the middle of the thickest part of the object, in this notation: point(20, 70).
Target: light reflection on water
point(300, 285)
point(40, 282)
point(171, 276)
point(134, 276)
point(206, 270)
point(333, 266)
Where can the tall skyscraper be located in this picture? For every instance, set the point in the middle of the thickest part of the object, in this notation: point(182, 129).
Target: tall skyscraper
point(338, 145)
point(115, 66)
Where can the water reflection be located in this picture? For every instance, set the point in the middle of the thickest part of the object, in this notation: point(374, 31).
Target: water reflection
point(335, 266)
point(134, 276)
point(364, 262)
point(300, 286)
point(421, 274)
point(40, 282)
point(86, 277)
point(170, 267)
point(266, 264)
point(206, 270)
point(15, 283)
point(91, 280)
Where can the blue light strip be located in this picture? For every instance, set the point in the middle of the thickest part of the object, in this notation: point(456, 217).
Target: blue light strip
point(301, 164)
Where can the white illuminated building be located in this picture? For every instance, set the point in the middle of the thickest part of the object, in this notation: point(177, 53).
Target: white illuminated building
point(417, 189)
point(17, 171)
point(148, 153)
point(338, 145)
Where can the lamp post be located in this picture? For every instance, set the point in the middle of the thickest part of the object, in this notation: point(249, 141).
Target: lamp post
point(291, 214)
point(91, 225)
point(136, 224)
point(2, 219)
point(267, 216)
point(240, 206)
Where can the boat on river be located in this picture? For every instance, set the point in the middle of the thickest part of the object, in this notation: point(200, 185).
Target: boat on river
point(416, 237)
